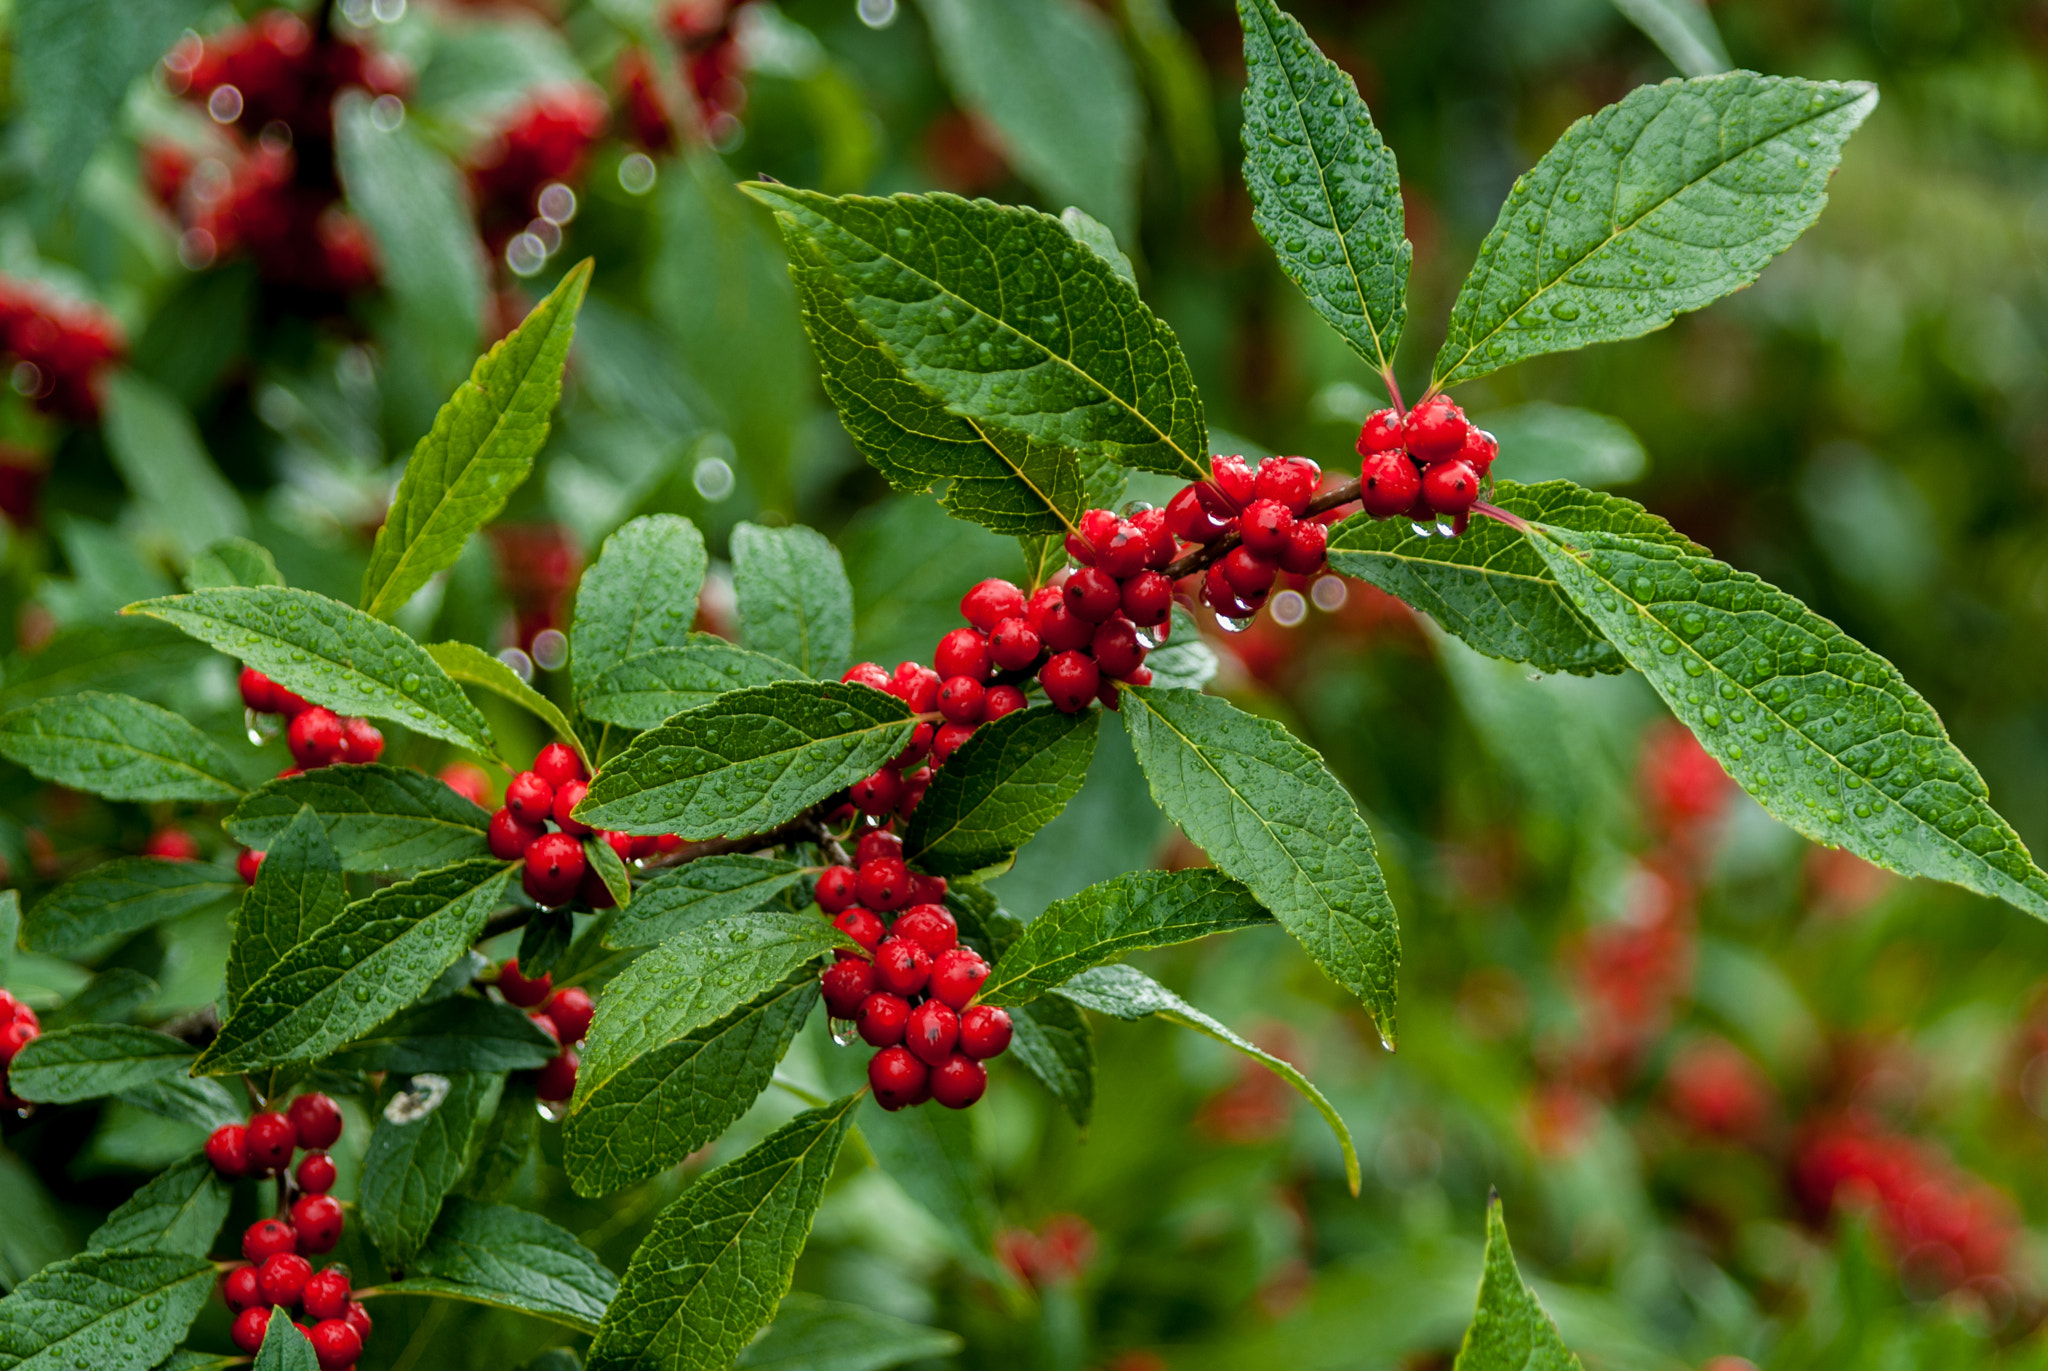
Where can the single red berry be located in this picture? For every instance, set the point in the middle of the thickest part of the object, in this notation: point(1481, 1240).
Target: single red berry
point(568, 795)
point(1307, 546)
point(283, 1275)
point(846, 987)
point(272, 1139)
point(926, 889)
point(963, 652)
point(554, 864)
point(1451, 487)
point(984, 1031)
point(881, 1017)
point(318, 1221)
point(1147, 598)
point(1247, 572)
point(931, 1031)
point(242, 1290)
point(929, 926)
point(1117, 650)
point(327, 1294)
point(545, 1025)
point(520, 991)
point(991, 602)
point(1384, 431)
point(267, 1238)
point(1234, 479)
point(949, 740)
point(901, 966)
point(1092, 594)
point(1190, 519)
point(883, 884)
point(315, 738)
point(572, 1010)
point(1481, 449)
point(875, 844)
point(558, 764)
point(358, 1318)
point(247, 864)
point(250, 1326)
point(173, 845)
point(898, 1078)
point(1289, 480)
point(335, 1344)
point(316, 1173)
point(864, 926)
point(1069, 681)
point(1013, 644)
point(1158, 537)
point(556, 1080)
point(257, 692)
point(959, 1081)
point(361, 743)
point(1436, 429)
point(316, 1120)
point(956, 976)
point(14, 1036)
point(1264, 527)
point(227, 1147)
point(529, 798)
point(1127, 551)
point(877, 794)
point(868, 674)
point(915, 685)
point(836, 889)
point(1062, 630)
point(289, 703)
point(1001, 700)
point(508, 837)
point(468, 781)
point(918, 748)
point(960, 700)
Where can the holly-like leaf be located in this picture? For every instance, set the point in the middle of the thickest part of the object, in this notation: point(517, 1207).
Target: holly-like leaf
point(795, 602)
point(813, 1334)
point(372, 960)
point(697, 892)
point(1123, 914)
point(415, 1157)
point(331, 654)
point(113, 1311)
point(496, 1255)
point(650, 688)
point(120, 897)
point(117, 746)
point(1658, 204)
point(684, 1040)
point(284, 1347)
point(1510, 1331)
point(999, 313)
point(720, 1258)
point(1826, 734)
point(748, 761)
point(1261, 803)
point(179, 1211)
point(1124, 992)
point(640, 594)
point(157, 449)
point(460, 1033)
point(298, 889)
point(1488, 586)
point(480, 448)
point(233, 562)
point(1325, 190)
point(67, 1065)
point(379, 818)
point(474, 666)
point(1012, 778)
point(1053, 1042)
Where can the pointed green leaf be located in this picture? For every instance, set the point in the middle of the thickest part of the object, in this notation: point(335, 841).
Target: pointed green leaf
point(999, 313)
point(1510, 1331)
point(331, 654)
point(1123, 914)
point(720, 1258)
point(123, 896)
point(1683, 30)
point(198, 1100)
point(460, 1033)
point(480, 448)
point(157, 449)
point(813, 1334)
point(233, 562)
point(650, 688)
point(1012, 778)
point(284, 1347)
point(610, 869)
point(747, 761)
point(640, 594)
point(375, 958)
point(1325, 191)
point(1826, 734)
point(379, 818)
point(298, 889)
point(683, 897)
point(1124, 992)
point(474, 666)
point(111, 1311)
point(418, 1151)
point(179, 1211)
point(1264, 807)
point(117, 746)
point(67, 1065)
point(1661, 203)
point(496, 1255)
point(794, 599)
point(931, 1156)
point(1053, 1042)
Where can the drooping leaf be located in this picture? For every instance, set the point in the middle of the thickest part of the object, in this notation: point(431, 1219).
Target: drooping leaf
point(1010, 780)
point(379, 818)
point(117, 746)
point(1510, 1331)
point(158, 451)
point(179, 1211)
point(123, 896)
point(415, 1158)
point(474, 666)
point(114, 1311)
point(126, 656)
point(649, 688)
point(813, 1334)
point(67, 1065)
point(640, 594)
point(1261, 803)
point(284, 1347)
point(481, 446)
point(697, 892)
point(747, 761)
point(1325, 191)
point(1488, 586)
point(999, 313)
point(375, 958)
point(930, 1154)
point(460, 1033)
point(1124, 914)
point(1826, 734)
point(795, 603)
point(1051, 1039)
point(331, 654)
point(233, 562)
point(1683, 30)
point(298, 889)
point(684, 1040)
point(496, 1255)
point(720, 1258)
point(1124, 992)
point(1658, 204)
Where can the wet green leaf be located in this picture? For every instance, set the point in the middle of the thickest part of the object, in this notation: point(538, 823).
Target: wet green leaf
point(117, 746)
point(640, 594)
point(415, 1159)
point(496, 1255)
point(123, 896)
point(795, 603)
point(298, 889)
point(112, 1311)
point(1510, 1331)
point(1012, 778)
point(379, 818)
point(682, 897)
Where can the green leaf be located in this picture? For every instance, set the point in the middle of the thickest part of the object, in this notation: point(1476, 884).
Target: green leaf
point(415, 1157)
point(652, 687)
point(1661, 203)
point(114, 1311)
point(186, 1360)
point(1488, 586)
point(298, 889)
point(157, 449)
point(1124, 992)
point(496, 1255)
point(128, 656)
point(1124, 914)
point(179, 1211)
point(683, 897)
point(375, 958)
point(506, 1142)
point(1826, 734)
point(1096, 236)
point(1683, 30)
point(1540, 441)
point(10, 929)
point(379, 818)
point(813, 1334)
point(1051, 343)
point(120, 897)
point(474, 666)
point(794, 599)
point(331, 654)
point(1050, 79)
point(930, 1154)
point(720, 1258)
point(640, 594)
point(747, 761)
point(111, 996)
point(605, 861)
point(284, 1347)
point(197, 1100)
point(480, 448)
point(1510, 1331)
point(460, 1033)
point(233, 562)
point(1325, 191)
point(67, 1065)
point(545, 940)
point(1054, 1043)
point(116, 746)
point(1264, 807)
point(684, 1039)
point(1012, 778)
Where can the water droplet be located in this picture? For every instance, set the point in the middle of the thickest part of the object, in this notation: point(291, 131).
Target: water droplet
point(1230, 625)
point(409, 682)
point(843, 1034)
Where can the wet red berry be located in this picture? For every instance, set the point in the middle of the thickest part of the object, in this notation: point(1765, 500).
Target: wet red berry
point(283, 1275)
point(242, 1290)
point(554, 865)
point(881, 1017)
point(1116, 648)
point(267, 1238)
point(1147, 598)
point(1062, 630)
point(327, 1294)
point(530, 799)
point(1070, 681)
point(568, 795)
point(875, 844)
point(361, 743)
point(508, 837)
point(883, 884)
point(315, 738)
point(1307, 546)
point(315, 1173)
point(836, 889)
point(950, 739)
point(931, 1031)
point(991, 602)
point(1383, 431)
point(963, 652)
point(316, 1120)
point(1013, 644)
point(1189, 517)
point(556, 1080)
point(1233, 478)
point(929, 926)
point(1001, 700)
point(247, 864)
point(227, 1147)
point(1387, 484)
point(984, 1031)
point(960, 700)
point(1451, 487)
point(335, 1344)
point(257, 692)
point(1264, 527)
point(1248, 573)
point(901, 966)
point(1126, 552)
point(358, 1318)
point(898, 1078)
point(272, 1140)
point(317, 1218)
point(558, 765)
point(1481, 449)
point(958, 1081)
point(571, 1010)
point(846, 986)
point(1289, 480)
point(520, 991)
point(249, 1327)
point(868, 674)
point(917, 686)
point(877, 794)
point(1092, 595)
point(861, 925)
point(956, 976)
point(1436, 429)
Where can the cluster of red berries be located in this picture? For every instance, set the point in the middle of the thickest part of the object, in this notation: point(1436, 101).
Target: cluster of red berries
point(555, 869)
point(1267, 508)
point(910, 990)
point(274, 70)
point(18, 1027)
point(547, 140)
point(706, 35)
point(316, 736)
point(277, 1274)
point(563, 1015)
point(57, 351)
point(1431, 461)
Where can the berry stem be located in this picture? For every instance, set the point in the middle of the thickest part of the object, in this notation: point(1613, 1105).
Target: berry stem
point(1394, 392)
point(1199, 558)
point(1512, 520)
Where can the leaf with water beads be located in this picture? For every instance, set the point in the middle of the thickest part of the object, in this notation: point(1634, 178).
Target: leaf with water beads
point(109, 1311)
point(1510, 1331)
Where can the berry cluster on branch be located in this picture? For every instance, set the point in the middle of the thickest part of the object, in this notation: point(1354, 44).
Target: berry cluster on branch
point(556, 870)
point(564, 1015)
point(1431, 461)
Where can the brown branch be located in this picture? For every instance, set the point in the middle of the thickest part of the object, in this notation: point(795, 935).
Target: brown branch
point(1200, 558)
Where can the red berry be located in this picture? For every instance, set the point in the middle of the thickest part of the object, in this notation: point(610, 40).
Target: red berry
point(242, 1290)
point(283, 1275)
point(316, 1173)
point(949, 740)
point(520, 991)
point(315, 738)
point(1233, 479)
point(881, 1017)
point(545, 1025)
point(1307, 546)
point(846, 987)
point(963, 652)
point(914, 786)
point(554, 864)
point(289, 703)
point(883, 884)
point(931, 1031)
point(1013, 644)
point(556, 1080)
point(1070, 680)
point(572, 1010)
point(358, 1318)
point(1096, 528)
point(266, 1238)
point(318, 1221)
point(1384, 431)
point(875, 844)
point(558, 765)
point(835, 889)
point(1092, 595)
point(984, 1031)
point(1451, 487)
point(1436, 429)
point(917, 686)
point(877, 794)
point(1264, 527)
point(247, 864)
point(1158, 537)
point(14, 1036)
point(868, 674)
point(1289, 480)
point(1126, 552)
point(468, 781)
point(960, 700)
point(272, 1140)
point(316, 1121)
point(1481, 448)
point(227, 1147)
point(250, 1326)
point(1062, 630)
point(926, 889)
point(956, 976)
point(256, 691)
point(1147, 598)
point(1189, 517)
point(1248, 573)
point(1001, 700)
point(901, 966)
point(959, 1081)
point(861, 925)
point(991, 602)
point(529, 798)
point(172, 844)
point(929, 926)
point(508, 837)
point(919, 746)
point(335, 1344)
point(898, 1078)
point(568, 795)
point(1388, 484)
point(1117, 650)
point(361, 743)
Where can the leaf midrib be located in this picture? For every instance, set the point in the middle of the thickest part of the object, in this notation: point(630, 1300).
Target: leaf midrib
point(133, 1301)
point(788, 981)
point(122, 744)
point(785, 755)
